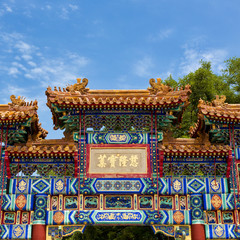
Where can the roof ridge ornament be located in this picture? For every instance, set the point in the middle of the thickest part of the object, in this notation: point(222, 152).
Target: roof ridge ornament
point(20, 103)
point(158, 86)
point(80, 86)
point(219, 101)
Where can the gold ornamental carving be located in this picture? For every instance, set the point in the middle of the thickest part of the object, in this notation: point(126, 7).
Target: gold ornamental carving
point(21, 201)
point(157, 86)
point(58, 217)
point(216, 201)
point(80, 86)
point(178, 217)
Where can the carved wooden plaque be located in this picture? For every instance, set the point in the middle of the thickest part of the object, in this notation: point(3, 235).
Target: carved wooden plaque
point(117, 160)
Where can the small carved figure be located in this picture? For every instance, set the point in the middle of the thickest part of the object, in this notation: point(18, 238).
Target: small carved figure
point(20, 101)
point(158, 86)
point(80, 86)
point(219, 101)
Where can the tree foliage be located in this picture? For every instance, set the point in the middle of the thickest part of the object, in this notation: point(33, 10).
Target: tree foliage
point(206, 85)
point(232, 75)
point(118, 233)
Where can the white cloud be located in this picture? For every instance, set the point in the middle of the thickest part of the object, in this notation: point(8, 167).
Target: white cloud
point(142, 68)
point(73, 7)
point(26, 57)
point(8, 8)
point(13, 71)
point(66, 10)
point(5, 8)
point(13, 90)
point(30, 62)
point(194, 53)
point(163, 34)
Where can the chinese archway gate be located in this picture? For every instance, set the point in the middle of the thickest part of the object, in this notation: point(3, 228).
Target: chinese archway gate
point(119, 164)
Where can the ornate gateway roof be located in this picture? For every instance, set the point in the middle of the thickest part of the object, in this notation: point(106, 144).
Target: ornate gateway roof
point(21, 120)
point(77, 97)
point(215, 112)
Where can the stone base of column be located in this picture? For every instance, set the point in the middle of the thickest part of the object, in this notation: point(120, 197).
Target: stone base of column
point(198, 232)
point(39, 232)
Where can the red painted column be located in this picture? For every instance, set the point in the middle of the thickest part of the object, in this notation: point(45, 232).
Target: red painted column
point(39, 220)
point(39, 232)
point(198, 232)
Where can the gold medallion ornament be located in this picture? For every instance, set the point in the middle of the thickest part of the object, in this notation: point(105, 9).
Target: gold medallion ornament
point(59, 185)
point(178, 217)
point(21, 201)
point(177, 185)
point(216, 201)
point(58, 217)
point(22, 185)
point(215, 185)
point(18, 231)
point(219, 231)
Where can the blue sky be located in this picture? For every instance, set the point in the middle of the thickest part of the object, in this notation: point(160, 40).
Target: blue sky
point(117, 44)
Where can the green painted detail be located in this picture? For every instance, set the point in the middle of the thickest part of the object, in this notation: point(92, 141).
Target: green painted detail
point(27, 123)
point(179, 108)
point(160, 136)
point(218, 135)
point(17, 136)
point(56, 109)
point(207, 121)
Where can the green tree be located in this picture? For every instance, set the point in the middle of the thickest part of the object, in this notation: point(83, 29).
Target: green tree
point(118, 233)
point(232, 76)
point(205, 85)
point(171, 82)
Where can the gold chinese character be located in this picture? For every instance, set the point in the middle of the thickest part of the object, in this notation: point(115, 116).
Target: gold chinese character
point(123, 161)
point(113, 137)
point(112, 159)
point(122, 138)
point(102, 163)
point(134, 162)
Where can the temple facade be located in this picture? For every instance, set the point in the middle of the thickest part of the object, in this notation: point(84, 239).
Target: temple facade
point(119, 164)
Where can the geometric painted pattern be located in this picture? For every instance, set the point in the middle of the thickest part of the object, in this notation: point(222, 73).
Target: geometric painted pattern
point(15, 202)
point(112, 186)
point(223, 231)
point(117, 138)
point(118, 217)
point(227, 202)
point(167, 186)
point(196, 185)
point(16, 231)
point(41, 186)
point(40, 209)
point(196, 209)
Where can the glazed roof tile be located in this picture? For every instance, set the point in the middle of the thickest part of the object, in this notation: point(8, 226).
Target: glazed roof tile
point(78, 94)
point(200, 146)
point(17, 109)
point(217, 110)
point(56, 147)
point(20, 111)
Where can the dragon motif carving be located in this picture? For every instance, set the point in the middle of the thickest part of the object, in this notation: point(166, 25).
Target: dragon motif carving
point(20, 101)
point(219, 101)
point(80, 86)
point(157, 86)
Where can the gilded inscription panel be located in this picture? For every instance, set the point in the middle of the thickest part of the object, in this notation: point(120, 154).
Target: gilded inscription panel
point(118, 160)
